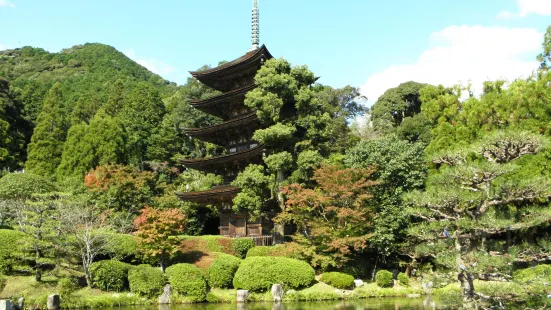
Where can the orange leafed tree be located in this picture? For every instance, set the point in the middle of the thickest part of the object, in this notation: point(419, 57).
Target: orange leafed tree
point(157, 232)
point(333, 217)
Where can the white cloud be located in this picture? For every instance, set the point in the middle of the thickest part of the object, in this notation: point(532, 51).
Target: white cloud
point(528, 7)
point(463, 54)
point(6, 3)
point(152, 64)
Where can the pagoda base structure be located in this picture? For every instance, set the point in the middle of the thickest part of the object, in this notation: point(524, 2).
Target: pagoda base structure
point(235, 133)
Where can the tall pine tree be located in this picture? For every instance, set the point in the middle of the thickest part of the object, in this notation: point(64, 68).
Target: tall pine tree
point(46, 145)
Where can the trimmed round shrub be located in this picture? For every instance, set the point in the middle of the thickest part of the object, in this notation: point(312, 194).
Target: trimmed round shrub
point(259, 251)
point(145, 280)
point(222, 270)
point(259, 273)
point(10, 248)
point(110, 275)
point(241, 246)
point(403, 278)
point(338, 280)
point(187, 280)
point(383, 278)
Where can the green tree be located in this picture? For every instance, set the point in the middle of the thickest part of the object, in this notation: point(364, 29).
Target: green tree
point(142, 116)
point(399, 167)
point(545, 57)
point(34, 208)
point(478, 193)
point(396, 104)
point(46, 145)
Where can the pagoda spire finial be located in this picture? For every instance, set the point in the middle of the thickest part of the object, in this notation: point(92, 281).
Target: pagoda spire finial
point(255, 36)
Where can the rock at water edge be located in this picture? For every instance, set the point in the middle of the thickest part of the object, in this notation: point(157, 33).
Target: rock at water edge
point(21, 303)
point(165, 297)
point(242, 295)
point(54, 302)
point(5, 305)
point(277, 292)
point(358, 283)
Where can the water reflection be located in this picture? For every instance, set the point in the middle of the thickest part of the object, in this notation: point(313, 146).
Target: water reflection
point(375, 303)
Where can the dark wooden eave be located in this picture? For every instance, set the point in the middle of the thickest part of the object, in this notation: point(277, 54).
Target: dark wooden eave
point(210, 164)
point(223, 193)
point(251, 60)
point(223, 105)
point(218, 134)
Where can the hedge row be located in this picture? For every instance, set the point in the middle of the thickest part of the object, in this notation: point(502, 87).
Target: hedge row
point(259, 273)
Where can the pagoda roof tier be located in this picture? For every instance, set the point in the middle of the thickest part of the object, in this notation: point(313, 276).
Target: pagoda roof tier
point(221, 77)
point(225, 105)
point(228, 160)
point(216, 194)
point(222, 134)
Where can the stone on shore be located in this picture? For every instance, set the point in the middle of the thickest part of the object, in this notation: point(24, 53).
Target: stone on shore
point(358, 283)
point(165, 297)
point(242, 295)
point(54, 302)
point(277, 292)
point(5, 305)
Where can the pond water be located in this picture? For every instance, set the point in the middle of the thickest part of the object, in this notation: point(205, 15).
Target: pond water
point(373, 303)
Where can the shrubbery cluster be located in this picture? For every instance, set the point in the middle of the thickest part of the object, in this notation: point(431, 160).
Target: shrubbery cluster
point(10, 247)
point(259, 273)
point(188, 281)
point(338, 279)
point(110, 275)
point(121, 247)
point(540, 274)
point(259, 251)
point(403, 278)
point(241, 246)
point(222, 271)
point(384, 278)
point(145, 280)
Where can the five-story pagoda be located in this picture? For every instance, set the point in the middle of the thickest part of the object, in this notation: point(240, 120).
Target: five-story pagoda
point(235, 79)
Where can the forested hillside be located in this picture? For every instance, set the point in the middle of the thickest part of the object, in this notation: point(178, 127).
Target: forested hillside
point(78, 90)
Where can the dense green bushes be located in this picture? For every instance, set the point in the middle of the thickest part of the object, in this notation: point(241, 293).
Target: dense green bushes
point(222, 270)
point(403, 278)
point(10, 248)
point(110, 275)
point(188, 281)
point(259, 251)
point(259, 273)
point(121, 247)
point(383, 278)
point(540, 274)
point(338, 279)
point(241, 246)
point(145, 280)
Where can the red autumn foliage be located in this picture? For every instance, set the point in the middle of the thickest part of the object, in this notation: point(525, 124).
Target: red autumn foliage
point(157, 232)
point(333, 217)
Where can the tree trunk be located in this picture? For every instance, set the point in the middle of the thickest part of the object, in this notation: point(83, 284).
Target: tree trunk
point(163, 262)
point(467, 286)
point(37, 269)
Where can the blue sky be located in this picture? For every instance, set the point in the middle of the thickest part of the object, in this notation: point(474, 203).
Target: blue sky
point(369, 44)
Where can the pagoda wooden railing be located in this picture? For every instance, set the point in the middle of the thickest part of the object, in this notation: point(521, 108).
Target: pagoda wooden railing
point(265, 240)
